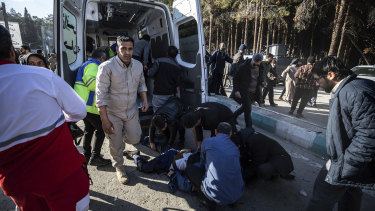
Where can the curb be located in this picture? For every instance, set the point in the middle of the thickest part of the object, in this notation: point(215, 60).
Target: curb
point(311, 140)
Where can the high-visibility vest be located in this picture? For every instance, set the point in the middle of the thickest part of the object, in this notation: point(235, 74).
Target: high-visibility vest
point(86, 83)
point(112, 50)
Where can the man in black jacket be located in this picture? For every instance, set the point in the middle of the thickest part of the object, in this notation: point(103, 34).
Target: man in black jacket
point(166, 73)
point(167, 119)
point(262, 157)
point(270, 77)
point(246, 85)
point(350, 138)
point(207, 116)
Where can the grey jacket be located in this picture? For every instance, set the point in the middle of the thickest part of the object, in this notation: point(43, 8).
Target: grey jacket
point(351, 134)
point(117, 86)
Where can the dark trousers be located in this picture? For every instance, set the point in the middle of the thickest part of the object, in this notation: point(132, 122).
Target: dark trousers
point(304, 95)
point(283, 92)
point(246, 100)
point(325, 195)
point(92, 123)
point(268, 90)
point(217, 82)
point(314, 94)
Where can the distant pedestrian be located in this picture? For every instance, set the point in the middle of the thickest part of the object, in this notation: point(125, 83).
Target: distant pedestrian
point(167, 77)
point(314, 95)
point(246, 85)
point(270, 77)
point(290, 80)
point(142, 49)
point(217, 61)
point(350, 138)
point(25, 51)
point(305, 84)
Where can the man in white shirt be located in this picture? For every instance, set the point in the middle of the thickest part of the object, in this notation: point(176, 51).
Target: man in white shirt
point(117, 83)
point(40, 168)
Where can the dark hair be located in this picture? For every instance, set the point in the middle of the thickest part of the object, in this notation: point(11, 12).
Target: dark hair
point(158, 121)
point(98, 53)
point(26, 47)
point(5, 43)
point(331, 64)
point(38, 56)
point(146, 37)
point(311, 60)
point(39, 51)
point(190, 119)
point(270, 55)
point(172, 51)
point(224, 128)
point(121, 39)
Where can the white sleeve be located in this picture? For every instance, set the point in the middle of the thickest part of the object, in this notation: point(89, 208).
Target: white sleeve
point(73, 107)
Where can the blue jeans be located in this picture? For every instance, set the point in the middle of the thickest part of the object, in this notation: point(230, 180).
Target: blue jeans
point(325, 195)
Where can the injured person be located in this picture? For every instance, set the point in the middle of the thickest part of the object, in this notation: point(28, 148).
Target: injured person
point(262, 157)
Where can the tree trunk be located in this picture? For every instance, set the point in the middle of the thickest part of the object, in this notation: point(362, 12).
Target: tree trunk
point(286, 29)
point(260, 31)
point(246, 25)
point(217, 37)
point(210, 34)
point(360, 51)
point(337, 27)
point(279, 32)
point(312, 39)
point(255, 29)
point(268, 36)
point(273, 33)
point(228, 40)
point(235, 38)
point(222, 30)
point(231, 37)
point(342, 37)
point(290, 44)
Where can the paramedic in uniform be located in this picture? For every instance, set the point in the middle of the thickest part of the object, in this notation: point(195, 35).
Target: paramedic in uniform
point(40, 168)
point(118, 82)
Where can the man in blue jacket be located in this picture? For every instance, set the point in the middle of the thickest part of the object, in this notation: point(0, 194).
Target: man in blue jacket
point(217, 60)
point(350, 138)
point(220, 179)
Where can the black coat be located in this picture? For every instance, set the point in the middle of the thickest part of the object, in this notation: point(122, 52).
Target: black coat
point(211, 114)
point(260, 149)
point(351, 134)
point(242, 79)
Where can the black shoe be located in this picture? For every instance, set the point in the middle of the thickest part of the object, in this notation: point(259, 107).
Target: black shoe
point(273, 104)
point(130, 154)
point(290, 112)
point(87, 158)
point(99, 161)
point(299, 116)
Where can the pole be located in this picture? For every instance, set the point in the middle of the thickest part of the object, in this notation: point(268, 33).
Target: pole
point(5, 15)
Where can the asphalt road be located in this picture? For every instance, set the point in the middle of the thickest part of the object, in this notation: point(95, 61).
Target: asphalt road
point(150, 191)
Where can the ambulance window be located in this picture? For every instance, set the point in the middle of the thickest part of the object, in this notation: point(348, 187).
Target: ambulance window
point(70, 35)
point(189, 42)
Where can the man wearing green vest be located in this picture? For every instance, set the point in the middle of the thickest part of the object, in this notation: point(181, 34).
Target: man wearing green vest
point(85, 87)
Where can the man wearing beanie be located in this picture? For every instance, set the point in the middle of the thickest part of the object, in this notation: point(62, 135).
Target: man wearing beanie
point(246, 85)
point(304, 87)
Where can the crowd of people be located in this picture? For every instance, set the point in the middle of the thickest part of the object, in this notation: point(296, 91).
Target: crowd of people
point(41, 169)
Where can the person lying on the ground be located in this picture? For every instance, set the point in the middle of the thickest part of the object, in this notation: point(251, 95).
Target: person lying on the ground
point(170, 160)
point(207, 116)
point(218, 175)
point(262, 157)
point(167, 119)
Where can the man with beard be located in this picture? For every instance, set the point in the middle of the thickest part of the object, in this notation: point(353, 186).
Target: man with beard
point(350, 138)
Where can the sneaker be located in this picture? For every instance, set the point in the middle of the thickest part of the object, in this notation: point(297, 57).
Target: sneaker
point(121, 175)
point(309, 104)
point(99, 161)
point(130, 154)
point(299, 116)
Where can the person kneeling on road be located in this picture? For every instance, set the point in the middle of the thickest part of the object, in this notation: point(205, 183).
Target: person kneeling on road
point(85, 86)
point(207, 116)
point(262, 157)
point(167, 119)
point(219, 179)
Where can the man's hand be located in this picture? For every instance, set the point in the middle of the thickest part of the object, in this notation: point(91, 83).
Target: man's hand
point(108, 127)
point(152, 146)
point(237, 94)
point(144, 106)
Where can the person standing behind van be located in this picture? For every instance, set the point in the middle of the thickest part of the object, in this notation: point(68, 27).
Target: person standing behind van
point(218, 60)
point(142, 50)
point(166, 73)
point(290, 80)
point(85, 86)
point(117, 83)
